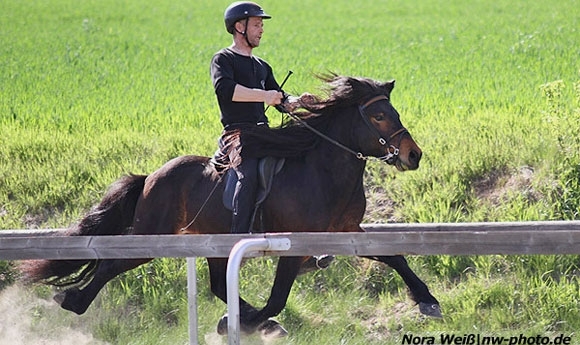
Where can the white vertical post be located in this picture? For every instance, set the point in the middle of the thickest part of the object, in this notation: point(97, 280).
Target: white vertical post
point(233, 277)
point(192, 299)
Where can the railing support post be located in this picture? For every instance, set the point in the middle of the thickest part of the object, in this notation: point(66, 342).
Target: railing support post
point(233, 277)
point(192, 299)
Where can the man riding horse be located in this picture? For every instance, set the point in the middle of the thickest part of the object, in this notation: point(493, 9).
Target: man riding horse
point(243, 82)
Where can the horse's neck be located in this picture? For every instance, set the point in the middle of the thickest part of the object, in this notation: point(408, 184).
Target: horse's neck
point(339, 185)
point(337, 164)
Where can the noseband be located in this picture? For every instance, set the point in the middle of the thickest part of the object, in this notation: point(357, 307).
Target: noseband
point(392, 150)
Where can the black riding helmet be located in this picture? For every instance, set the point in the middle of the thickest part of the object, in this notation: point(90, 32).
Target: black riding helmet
point(242, 10)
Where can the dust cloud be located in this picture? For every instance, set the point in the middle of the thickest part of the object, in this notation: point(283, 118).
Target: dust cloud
point(29, 320)
point(256, 339)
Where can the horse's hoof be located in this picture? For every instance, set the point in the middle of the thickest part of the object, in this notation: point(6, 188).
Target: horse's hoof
point(316, 263)
point(432, 310)
point(222, 327)
point(68, 301)
point(59, 298)
point(271, 329)
point(323, 261)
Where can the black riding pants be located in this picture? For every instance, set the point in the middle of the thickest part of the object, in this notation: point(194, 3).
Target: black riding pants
point(245, 195)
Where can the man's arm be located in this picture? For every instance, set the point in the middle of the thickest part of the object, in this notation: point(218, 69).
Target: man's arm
point(245, 94)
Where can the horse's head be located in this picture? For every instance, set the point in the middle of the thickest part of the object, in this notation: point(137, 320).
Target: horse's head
point(381, 133)
point(375, 128)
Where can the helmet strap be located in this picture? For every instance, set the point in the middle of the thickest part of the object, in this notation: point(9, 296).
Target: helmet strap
point(245, 33)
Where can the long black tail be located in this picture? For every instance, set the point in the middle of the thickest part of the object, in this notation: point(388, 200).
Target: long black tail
point(112, 216)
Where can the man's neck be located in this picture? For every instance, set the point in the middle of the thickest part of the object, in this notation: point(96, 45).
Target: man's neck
point(241, 48)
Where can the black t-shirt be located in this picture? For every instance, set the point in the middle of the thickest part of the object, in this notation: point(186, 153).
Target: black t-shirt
point(229, 68)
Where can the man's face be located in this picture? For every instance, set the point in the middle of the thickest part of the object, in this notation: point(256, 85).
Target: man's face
point(254, 30)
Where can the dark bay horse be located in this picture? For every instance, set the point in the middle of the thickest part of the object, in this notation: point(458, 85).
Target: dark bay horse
point(320, 188)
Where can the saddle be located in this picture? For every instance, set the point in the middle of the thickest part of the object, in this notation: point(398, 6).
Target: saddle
point(267, 168)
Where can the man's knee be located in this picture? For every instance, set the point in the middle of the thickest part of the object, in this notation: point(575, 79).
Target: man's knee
point(248, 171)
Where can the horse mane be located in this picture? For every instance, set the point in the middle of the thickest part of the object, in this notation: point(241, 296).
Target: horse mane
point(292, 139)
point(345, 91)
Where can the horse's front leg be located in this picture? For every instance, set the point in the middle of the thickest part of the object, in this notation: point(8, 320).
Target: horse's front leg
point(428, 304)
point(286, 272)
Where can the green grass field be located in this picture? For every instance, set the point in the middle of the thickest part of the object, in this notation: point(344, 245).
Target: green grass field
point(490, 90)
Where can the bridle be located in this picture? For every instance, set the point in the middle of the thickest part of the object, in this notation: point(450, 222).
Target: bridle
point(392, 150)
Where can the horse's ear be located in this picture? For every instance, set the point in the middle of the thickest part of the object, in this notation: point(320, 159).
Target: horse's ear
point(389, 86)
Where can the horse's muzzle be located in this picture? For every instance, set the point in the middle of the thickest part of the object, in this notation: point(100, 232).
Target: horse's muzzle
point(413, 159)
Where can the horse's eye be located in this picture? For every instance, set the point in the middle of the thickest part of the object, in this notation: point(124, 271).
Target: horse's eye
point(379, 117)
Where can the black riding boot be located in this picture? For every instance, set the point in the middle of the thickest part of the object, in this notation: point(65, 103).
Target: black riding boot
point(245, 196)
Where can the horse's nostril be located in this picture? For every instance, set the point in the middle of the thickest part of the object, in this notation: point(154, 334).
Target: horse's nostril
point(415, 156)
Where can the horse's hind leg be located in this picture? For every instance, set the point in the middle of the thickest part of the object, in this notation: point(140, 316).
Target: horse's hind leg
point(250, 318)
point(78, 300)
point(428, 304)
point(217, 273)
point(286, 273)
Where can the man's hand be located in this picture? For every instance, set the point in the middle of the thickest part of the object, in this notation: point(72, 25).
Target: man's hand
point(293, 103)
point(273, 97)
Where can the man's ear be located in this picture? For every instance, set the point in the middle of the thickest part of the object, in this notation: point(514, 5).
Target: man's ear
point(241, 29)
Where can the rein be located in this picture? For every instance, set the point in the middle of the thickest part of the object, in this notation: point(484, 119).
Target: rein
point(359, 155)
point(389, 158)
